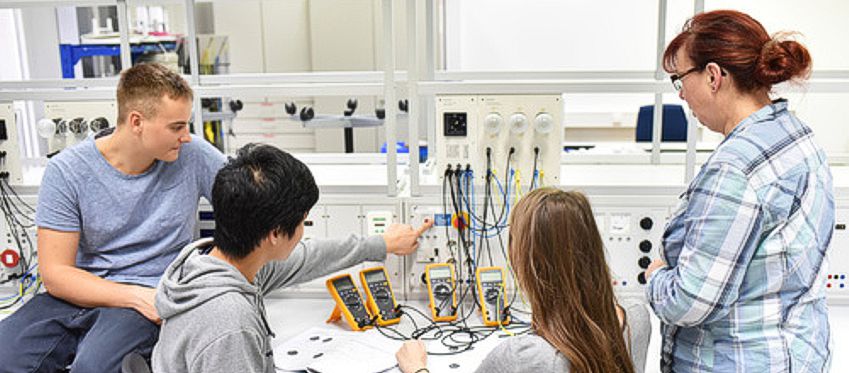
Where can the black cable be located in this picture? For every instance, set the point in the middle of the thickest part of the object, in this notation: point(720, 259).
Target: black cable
point(464, 245)
point(32, 209)
point(381, 329)
point(445, 180)
point(531, 186)
point(509, 267)
point(11, 222)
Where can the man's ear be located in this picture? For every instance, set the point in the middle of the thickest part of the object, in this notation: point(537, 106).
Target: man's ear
point(134, 120)
point(274, 237)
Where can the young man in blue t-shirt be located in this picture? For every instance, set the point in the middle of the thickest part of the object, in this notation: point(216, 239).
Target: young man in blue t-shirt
point(112, 213)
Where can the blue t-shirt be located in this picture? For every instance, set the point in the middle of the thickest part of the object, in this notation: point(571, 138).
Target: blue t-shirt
point(131, 226)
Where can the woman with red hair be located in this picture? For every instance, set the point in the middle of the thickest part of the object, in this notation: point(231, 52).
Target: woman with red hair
point(741, 286)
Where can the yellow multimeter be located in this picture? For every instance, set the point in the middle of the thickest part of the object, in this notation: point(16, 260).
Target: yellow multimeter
point(441, 290)
point(349, 303)
point(380, 300)
point(493, 298)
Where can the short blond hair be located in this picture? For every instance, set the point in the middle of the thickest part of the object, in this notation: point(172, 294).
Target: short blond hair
point(142, 87)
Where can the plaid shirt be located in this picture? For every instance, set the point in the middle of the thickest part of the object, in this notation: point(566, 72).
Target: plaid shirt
point(745, 287)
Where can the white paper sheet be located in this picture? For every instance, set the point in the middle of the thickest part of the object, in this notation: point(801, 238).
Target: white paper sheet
point(328, 349)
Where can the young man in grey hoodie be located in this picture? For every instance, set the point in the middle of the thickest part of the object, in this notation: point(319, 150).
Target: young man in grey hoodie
point(211, 297)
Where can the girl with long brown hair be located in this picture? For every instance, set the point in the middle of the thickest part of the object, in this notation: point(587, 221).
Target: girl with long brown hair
point(578, 326)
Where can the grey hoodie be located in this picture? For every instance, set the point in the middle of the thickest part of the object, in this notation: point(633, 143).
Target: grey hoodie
point(214, 319)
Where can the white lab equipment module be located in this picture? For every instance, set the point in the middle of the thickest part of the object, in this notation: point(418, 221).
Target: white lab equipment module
point(74, 121)
point(18, 254)
point(837, 278)
point(10, 152)
point(481, 132)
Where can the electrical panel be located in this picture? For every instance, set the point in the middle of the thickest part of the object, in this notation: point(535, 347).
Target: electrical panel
point(837, 278)
point(10, 152)
point(444, 243)
point(516, 134)
point(334, 219)
point(377, 222)
point(18, 237)
point(67, 123)
point(632, 239)
point(631, 230)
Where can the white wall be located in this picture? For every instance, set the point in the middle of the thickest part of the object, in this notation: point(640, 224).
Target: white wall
point(268, 36)
point(551, 35)
point(621, 35)
point(821, 24)
point(822, 28)
point(10, 64)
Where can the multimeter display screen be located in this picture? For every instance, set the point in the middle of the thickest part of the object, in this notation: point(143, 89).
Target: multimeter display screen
point(490, 276)
point(343, 284)
point(440, 272)
point(375, 276)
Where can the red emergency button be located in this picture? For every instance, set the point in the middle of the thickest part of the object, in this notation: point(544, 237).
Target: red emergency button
point(10, 258)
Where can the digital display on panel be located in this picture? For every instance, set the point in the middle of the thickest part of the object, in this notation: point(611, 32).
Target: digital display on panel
point(491, 276)
point(343, 284)
point(440, 272)
point(375, 276)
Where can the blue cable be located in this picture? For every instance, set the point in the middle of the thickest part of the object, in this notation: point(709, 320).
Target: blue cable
point(469, 175)
point(20, 295)
point(503, 223)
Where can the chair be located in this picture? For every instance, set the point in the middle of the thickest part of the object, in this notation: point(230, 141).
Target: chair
point(674, 124)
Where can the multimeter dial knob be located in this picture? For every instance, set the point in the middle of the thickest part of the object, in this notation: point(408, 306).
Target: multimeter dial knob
point(441, 291)
point(352, 302)
point(381, 294)
point(491, 296)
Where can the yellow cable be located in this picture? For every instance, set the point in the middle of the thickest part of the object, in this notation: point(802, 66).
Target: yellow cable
point(498, 200)
point(15, 300)
point(518, 186)
point(498, 309)
point(516, 281)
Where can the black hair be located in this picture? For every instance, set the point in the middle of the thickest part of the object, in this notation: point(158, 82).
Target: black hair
point(262, 190)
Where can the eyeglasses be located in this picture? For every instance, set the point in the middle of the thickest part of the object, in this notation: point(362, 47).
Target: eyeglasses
point(676, 79)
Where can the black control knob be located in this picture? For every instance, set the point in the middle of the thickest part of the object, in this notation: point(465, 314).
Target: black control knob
point(441, 291)
point(61, 127)
point(236, 105)
point(644, 262)
point(78, 126)
point(351, 107)
point(646, 223)
point(645, 246)
point(641, 278)
point(307, 113)
point(381, 294)
point(98, 124)
point(290, 107)
point(352, 301)
point(491, 296)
